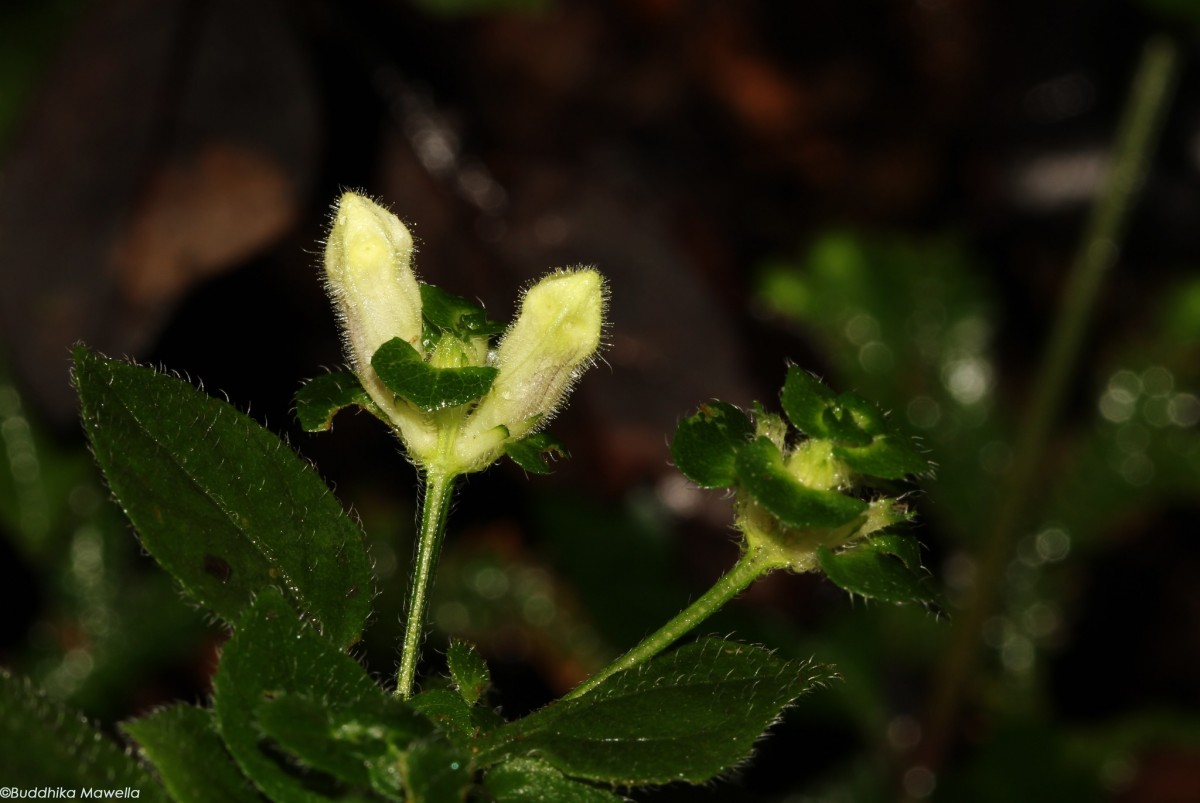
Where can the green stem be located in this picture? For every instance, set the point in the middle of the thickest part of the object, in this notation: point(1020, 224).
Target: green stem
point(751, 566)
point(1135, 143)
point(434, 510)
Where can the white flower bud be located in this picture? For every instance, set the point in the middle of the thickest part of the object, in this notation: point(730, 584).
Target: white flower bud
point(544, 351)
point(369, 276)
point(368, 269)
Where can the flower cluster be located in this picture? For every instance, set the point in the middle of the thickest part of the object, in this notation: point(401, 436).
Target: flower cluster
point(424, 359)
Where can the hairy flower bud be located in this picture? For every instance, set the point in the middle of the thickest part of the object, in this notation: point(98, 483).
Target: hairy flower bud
point(369, 276)
point(368, 268)
point(554, 338)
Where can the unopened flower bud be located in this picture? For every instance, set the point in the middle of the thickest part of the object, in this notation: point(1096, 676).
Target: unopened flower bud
point(368, 268)
point(368, 272)
point(554, 338)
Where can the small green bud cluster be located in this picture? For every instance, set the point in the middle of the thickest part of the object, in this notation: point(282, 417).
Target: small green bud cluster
point(423, 359)
point(803, 493)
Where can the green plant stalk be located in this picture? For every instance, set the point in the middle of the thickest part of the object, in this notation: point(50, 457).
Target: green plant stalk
point(1136, 140)
point(750, 566)
point(435, 508)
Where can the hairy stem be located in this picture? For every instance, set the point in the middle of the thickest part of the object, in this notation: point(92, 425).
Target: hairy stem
point(752, 565)
point(1099, 250)
point(434, 509)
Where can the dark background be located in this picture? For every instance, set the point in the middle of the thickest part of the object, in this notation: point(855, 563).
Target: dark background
point(167, 171)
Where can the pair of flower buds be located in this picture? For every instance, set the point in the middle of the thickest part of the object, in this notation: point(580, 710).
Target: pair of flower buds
point(390, 326)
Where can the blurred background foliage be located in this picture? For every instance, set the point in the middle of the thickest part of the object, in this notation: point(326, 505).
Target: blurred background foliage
point(887, 194)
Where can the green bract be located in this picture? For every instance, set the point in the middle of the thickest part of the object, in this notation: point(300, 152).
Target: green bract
point(423, 359)
point(801, 502)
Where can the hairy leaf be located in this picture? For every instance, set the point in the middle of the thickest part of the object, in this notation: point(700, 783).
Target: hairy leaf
point(890, 457)
point(322, 397)
point(706, 444)
point(446, 312)
point(685, 716)
point(220, 502)
point(469, 671)
point(42, 743)
point(762, 473)
point(528, 780)
point(352, 743)
point(877, 569)
point(805, 399)
point(530, 452)
point(271, 654)
point(182, 743)
point(406, 374)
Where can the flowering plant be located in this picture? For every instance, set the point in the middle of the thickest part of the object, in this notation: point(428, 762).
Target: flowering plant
point(252, 534)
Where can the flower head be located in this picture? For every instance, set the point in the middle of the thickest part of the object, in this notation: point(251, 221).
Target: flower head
point(423, 356)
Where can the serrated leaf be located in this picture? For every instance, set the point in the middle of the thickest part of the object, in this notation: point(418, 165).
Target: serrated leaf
point(888, 457)
point(904, 547)
point(871, 571)
point(224, 505)
point(685, 716)
point(530, 452)
point(468, 670)
point(322, 397)
point(182, 743)
point(528, 780)
point(706, 443)
point(446, 312)
point(44, 744)
point(804, 399)
point(272, 653)
point(406, 374)
point(447, 709)
point(761, 472)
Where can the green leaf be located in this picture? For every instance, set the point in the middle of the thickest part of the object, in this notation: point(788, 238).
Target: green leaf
point(878, 569)
point(406, 374)
point(448, 710)
point(528, 780)
point(761, 471)
point(530, 452)
point(706, 444)
point(469, 671)
point(182, 743)
point(867, 416)
point(805, 399)
point(447, 313)
point(685, 716)
point(889, 457)
point(346, 741)
point(271, 654)
point(842, 427)
point(904, 547)
point(435, 772)
point(220, 502)
point(322, 397)
point(43, 743)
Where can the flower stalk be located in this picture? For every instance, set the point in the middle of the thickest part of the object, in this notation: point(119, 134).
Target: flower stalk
point(424, 360)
